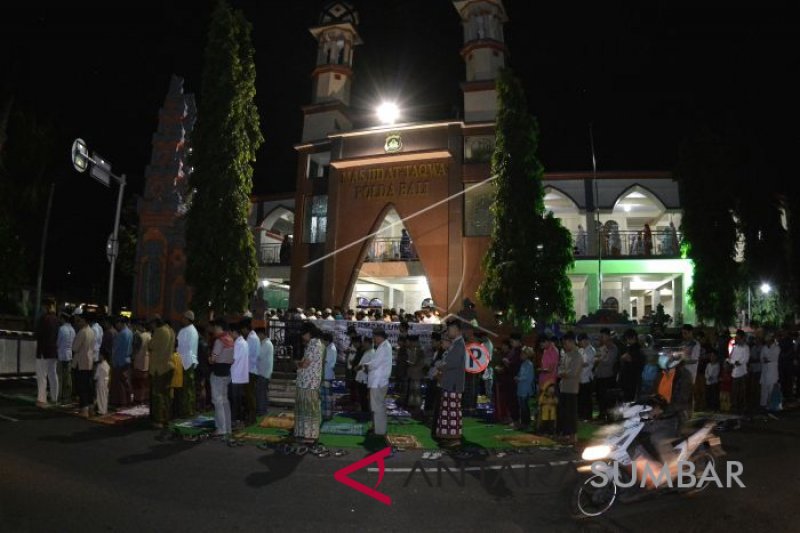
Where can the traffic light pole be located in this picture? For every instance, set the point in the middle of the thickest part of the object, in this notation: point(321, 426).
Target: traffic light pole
point(115, 243)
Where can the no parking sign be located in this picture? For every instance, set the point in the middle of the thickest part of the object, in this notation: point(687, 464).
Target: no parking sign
point(477, 358)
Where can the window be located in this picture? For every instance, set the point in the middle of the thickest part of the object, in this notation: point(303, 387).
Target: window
point(316, 223)
point(318, 165)
point(478, 219)
point(478, 149)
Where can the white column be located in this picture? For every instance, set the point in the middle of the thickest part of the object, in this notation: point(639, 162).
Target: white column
point(625, 301)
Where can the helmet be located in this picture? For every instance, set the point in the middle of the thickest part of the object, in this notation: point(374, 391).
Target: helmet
point(668, 362)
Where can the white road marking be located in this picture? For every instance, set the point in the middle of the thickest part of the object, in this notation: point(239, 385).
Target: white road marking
point(475, 468)
point(10, 419)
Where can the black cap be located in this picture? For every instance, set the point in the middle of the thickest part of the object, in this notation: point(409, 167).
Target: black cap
point(455, 322)
point(379, 332)
point(310, 328)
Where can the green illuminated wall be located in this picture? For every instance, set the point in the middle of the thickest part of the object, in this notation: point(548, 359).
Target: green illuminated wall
point(632, 267)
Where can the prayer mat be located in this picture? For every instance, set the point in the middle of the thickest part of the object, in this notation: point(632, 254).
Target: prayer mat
point(524, 440)
point(339, 428)
point(198, 422)
point(260, 437)
point(112, 419)
point(407, 442)
point(137, 411)
point(284, 420)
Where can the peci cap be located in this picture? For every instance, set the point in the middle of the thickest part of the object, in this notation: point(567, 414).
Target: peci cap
point(379, 332)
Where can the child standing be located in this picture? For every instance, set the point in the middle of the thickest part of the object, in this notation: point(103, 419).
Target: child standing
point(548, 404)
point(101, 384)
point(712, 382)
point(176, 383)
point(524, 379)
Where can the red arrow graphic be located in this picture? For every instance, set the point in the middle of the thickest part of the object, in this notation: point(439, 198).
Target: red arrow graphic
point(342, 475)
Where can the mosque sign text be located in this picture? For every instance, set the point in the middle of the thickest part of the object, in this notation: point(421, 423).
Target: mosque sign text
point(393, 181)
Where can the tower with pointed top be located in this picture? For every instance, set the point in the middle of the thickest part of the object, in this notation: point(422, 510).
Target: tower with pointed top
point(484, 53)
point(337, 36)
point(159, 282)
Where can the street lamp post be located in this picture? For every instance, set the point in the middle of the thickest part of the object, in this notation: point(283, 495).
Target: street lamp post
point(100, 169)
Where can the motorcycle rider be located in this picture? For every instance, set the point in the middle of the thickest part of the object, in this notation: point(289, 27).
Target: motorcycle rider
point(670, 410)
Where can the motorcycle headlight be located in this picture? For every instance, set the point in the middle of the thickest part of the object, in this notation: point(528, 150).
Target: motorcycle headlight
point(595, 453)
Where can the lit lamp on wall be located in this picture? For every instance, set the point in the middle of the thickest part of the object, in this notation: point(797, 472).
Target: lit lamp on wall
point(387, 113)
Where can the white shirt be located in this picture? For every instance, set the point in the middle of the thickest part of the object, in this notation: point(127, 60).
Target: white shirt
point(187, 346)
point(266, 355)
point(331, 354)
point(98, 340)
point(769, 364)
point(253, 350)
point(380, 367)
point(692, 358)
point(361, 376)
point(712, 373)
point(587, 372)
point(740, 354)
point(66, 336)
point(241, 360)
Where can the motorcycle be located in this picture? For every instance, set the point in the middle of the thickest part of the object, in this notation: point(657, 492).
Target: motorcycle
point(610, 465)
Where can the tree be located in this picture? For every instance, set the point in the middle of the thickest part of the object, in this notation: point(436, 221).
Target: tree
point(221, 255)
point(27, 148)
point(525, 268)
point(706, 167)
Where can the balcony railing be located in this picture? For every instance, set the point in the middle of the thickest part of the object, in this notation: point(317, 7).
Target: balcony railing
point(270, 255)
point(391, 249)
point(630, 243)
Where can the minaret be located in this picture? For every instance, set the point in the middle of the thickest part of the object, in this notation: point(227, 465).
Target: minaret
point(159, 282)
point(484, 53)
point(332, 77)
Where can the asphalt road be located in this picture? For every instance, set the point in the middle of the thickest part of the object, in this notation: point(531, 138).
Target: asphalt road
point(61, 473)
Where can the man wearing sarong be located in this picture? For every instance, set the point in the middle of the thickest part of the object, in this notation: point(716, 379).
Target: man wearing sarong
point(162, 346)
point(187, 349)
point(449, 423)
point(141, 364)
point(331, 354)
point(308, 413)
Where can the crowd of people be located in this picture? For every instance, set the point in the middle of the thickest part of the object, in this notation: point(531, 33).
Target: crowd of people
point(99, 362)
point(546, 386)
point(425, 315)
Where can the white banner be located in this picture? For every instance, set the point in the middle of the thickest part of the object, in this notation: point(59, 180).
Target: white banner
point(339, 330)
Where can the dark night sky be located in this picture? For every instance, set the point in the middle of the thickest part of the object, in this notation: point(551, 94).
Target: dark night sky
point(645, 73)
